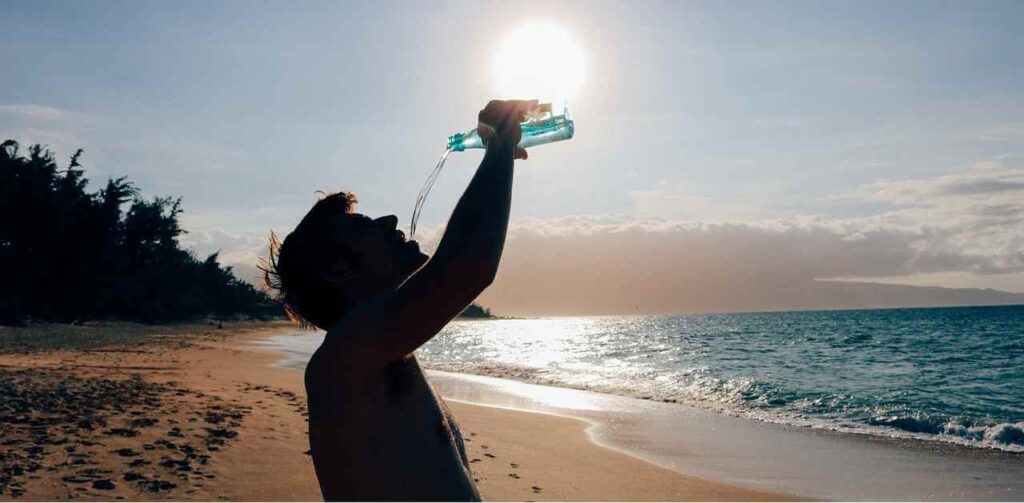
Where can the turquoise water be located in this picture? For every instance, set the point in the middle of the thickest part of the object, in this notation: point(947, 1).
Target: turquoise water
point(950, 375)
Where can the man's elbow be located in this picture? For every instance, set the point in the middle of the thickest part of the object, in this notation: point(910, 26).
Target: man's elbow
point(469, 275)
point(480, 274)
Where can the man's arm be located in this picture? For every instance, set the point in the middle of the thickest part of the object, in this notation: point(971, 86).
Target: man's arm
point(389, 327)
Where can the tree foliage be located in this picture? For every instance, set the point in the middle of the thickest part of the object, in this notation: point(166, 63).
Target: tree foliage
point(67, 254)
point(476, 311)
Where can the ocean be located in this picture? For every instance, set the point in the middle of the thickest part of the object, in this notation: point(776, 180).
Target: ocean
point(952, 375)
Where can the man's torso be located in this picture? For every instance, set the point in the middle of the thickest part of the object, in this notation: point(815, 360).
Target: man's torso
point(391, 437)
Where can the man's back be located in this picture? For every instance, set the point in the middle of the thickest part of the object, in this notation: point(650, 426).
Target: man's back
point(385, 436)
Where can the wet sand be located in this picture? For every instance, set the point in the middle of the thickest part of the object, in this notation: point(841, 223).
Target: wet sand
point(199, 413)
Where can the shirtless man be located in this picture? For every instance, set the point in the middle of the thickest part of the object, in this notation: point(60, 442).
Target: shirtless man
point(377, 430)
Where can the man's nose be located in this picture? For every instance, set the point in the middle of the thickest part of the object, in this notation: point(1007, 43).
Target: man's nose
point(389, 222)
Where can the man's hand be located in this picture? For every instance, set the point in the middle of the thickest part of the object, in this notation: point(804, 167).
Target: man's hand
point(499, 123)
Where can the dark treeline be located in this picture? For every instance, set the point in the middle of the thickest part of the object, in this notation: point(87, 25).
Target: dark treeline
point(68, 255)
point(476, 311)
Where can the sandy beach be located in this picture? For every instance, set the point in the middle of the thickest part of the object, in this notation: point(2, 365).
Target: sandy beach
point(198, 412)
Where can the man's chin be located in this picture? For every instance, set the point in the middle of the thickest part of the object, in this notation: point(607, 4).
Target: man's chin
point(416, 257)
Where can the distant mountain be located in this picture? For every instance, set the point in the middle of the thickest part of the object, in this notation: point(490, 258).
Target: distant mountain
point(857, 295)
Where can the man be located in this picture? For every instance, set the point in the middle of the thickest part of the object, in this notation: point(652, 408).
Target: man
point(377, 430)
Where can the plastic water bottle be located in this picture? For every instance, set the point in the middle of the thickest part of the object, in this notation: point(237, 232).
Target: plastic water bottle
point(541, 127)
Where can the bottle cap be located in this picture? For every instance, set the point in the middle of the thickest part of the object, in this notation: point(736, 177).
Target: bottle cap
point(455, 143)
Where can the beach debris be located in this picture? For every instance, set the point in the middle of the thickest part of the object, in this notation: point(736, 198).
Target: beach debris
point(80, 413)
point(216, 438)
point(166, 444)
point(144, 422)
point(122, 432)
point(514, 475)
point(175, 464)
point(155, 485)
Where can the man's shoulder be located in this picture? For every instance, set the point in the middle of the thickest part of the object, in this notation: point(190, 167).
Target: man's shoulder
point(350, 346)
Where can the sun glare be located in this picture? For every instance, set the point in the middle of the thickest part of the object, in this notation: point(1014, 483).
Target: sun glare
point(538, 60)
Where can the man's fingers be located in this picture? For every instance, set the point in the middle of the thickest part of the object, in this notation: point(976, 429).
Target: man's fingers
point(524, 107)
point(521, 153)
point(517, 107)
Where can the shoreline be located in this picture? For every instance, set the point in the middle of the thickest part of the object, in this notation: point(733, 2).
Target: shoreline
point(954, 444)
point(804, 462)
point(197, 413)
point(811, 463)
point(297, 350)
point(560, 457)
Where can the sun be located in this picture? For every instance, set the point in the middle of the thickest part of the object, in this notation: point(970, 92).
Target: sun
point(538, 60)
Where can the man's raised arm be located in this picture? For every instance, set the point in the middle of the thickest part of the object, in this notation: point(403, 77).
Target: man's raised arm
point(392, 326)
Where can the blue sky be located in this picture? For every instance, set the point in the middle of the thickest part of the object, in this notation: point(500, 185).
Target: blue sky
point(760, 113)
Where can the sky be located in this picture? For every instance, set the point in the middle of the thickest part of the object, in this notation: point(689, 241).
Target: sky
point(772, 143)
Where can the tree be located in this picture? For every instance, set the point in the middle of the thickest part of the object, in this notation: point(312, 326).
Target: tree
point(66, 254)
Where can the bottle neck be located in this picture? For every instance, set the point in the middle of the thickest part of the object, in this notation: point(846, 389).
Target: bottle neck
point(462, 141)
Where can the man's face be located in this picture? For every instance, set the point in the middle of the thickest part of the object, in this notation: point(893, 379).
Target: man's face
point(383, 257)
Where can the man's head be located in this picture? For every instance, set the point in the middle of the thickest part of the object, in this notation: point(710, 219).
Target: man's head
point(336, 258)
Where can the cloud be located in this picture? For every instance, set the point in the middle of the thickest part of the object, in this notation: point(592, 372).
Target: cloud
point(58, 128)
point(801, 248)
point(992, 179)
point(958, 226)
point(682, 202)
point(36, 112)
point(241, 251)
point(649, 266)
point(951, 227)
point(976, 214)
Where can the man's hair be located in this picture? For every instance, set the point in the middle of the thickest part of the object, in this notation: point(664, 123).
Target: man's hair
point(296, 270)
